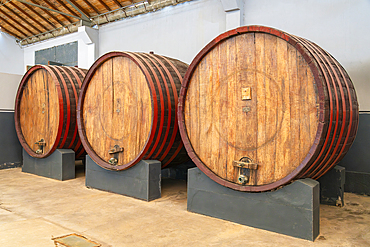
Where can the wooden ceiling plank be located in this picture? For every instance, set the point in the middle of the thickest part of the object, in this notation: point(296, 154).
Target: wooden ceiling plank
point(105, 5)
point(17, 22)
point(21, 18)
point(48, 13)
point(54, 7)
point(77, 7)
point(118, 3)
point(92, 6)
point(29, 16)
point(14, 27)
point(39, 15)
point(49, 9)
point(3, 29)
point(67, 8)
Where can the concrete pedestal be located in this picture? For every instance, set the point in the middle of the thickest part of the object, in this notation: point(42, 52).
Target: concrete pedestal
point(59, 165)
point(357, 182)
point(292, 210)
point(142, 181)
point(332, 187)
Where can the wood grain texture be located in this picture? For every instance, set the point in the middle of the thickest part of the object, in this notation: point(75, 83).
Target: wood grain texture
point(45, 108)
point(129, 100)
point(300, 121)
point(276, 131)
point(39, 109)
point(268, 134)
point(118, 109)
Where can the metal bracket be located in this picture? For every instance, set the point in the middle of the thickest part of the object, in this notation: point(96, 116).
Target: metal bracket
point(244, 165)
point(41, 145)
point(115, 151)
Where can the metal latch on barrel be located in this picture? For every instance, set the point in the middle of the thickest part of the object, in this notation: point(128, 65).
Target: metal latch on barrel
point(245, 165)
point(115, 151)
point(41, 145)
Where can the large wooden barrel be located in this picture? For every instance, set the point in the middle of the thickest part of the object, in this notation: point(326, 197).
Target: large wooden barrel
point(260, 108)
point(127, 110)
point(45, 110)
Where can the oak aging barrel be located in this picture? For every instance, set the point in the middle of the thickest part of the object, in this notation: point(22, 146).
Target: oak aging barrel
point(259, 108)
point(127, 110)
point(45, 110)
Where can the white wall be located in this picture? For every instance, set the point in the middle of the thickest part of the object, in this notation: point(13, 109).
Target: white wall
point(178, 31)
point(11, 55)
point(9, 86)
point(11, 70)
point(341, 27)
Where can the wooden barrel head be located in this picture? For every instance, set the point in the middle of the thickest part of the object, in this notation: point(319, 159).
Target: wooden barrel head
point(45, 110)
point(39, 110)
point(259, 107)
point(117, 110)
point(127, 110)
point(259, 103)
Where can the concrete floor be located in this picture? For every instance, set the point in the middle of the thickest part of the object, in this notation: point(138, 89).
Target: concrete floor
point(34, 209)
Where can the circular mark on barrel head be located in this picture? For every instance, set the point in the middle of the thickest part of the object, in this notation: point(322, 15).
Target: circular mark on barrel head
point(279, 116)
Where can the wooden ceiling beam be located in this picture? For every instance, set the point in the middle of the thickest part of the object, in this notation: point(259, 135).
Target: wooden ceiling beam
point(105, 5)
point(67, 8)
point(54, 7)
point(48, 13)
point(118, 3)
point(9, 32)
point(92, 6)
point(21, 18)
point(26, 14)
point(15, 28)
point(17, 22)
point(39, 15)
point(85, 14)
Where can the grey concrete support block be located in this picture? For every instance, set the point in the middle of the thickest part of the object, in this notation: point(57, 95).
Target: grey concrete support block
point(142, 181)
point(292, 210)
point(332, 187)
point(357, 182)
point(59, 165)
point(10, 148)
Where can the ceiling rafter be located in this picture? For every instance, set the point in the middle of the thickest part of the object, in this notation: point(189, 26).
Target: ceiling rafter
point(67, 8)
point(47, 12)
point(9, 32)
point(105, 5)
point(49, 9)
point(39, 15)
point(78, 8)
point(55, 8)
point(91, 6)
point(4, 2)
point(15, 28)
point(17, 22)
point(29, 16)
point(21, 18)
point(31, 21)
point(118, 3)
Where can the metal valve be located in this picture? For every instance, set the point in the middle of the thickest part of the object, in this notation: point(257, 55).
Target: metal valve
point(243, 179)
point(41, 145)
point(115, 152)
point(245, 167)
point(113, 161)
